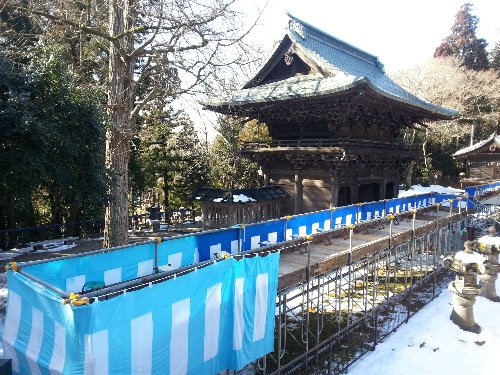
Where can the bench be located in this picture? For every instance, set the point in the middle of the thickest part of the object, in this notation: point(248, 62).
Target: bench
point(322, 235)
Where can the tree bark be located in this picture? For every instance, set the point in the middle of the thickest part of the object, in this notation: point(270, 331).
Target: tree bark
point(409, 172)
point(166, 203)
point(119, 131)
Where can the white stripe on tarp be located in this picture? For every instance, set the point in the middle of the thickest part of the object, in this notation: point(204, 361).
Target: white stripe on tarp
point(397, 209)
point(145, 267)
point(368, 216)
point(288, 234)
point(327, 225)
point(215, 249)
point(261, 294)
point(96, 353)
point(75, 284)
point(141, 337)
point(35, 341)
point(272, 238)
point(175, 260)
point(338, 222)
point(212, 321)
point(11, 328)
point(255, 242)
point(58, 358)
point(239, 322)
point(234, 246)
point(314, 228)
point(179, 337)
point(112, 276)
point(302, 231)
point(196, 257)
point(348, 219)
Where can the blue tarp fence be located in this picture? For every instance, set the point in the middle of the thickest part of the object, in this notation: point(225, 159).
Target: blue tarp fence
point(218, 317)
point(70, 274)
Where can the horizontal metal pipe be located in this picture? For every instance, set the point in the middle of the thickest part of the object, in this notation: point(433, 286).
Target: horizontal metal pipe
point(162, 275)
point(62, 293)
point(93, 252)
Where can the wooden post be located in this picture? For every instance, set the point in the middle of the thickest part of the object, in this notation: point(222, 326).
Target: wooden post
point(298, 192)
point(354, 193)
point(382, 189)
point(334, 191)
point(267, 178)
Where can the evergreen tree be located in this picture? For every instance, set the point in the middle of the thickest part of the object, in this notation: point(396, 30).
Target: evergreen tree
point(168, 158)
point(463, 42)
point(228, 169)
point(495, 57)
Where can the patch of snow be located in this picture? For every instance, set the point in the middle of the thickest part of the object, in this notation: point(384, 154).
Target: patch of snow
point(242, 198)
point(14, 253)
point(218, 200)
point(419, 189)
point(431, 344)
point(468, 258)
point(491, 241)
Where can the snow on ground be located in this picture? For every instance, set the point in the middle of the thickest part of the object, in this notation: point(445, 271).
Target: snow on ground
point(419, 189)
point(48, 247)
point(431, 344)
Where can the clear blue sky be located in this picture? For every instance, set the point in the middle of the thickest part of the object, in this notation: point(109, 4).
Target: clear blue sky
point(401, 33)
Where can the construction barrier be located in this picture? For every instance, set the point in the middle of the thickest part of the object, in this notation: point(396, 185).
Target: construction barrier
point(217, 317)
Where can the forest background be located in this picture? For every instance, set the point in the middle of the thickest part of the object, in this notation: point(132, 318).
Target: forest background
point(55, 123)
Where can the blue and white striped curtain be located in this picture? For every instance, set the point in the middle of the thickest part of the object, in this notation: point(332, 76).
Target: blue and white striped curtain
point(211, 319)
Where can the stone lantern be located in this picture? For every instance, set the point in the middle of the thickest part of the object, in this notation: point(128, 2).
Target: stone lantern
point(467, 265)
point(488, 246)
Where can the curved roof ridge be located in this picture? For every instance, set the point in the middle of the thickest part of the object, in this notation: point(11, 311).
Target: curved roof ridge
point(334, 42)
point(493, 137)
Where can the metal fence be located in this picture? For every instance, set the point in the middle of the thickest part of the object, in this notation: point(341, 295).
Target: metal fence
point(83, 229)
point(326, 323)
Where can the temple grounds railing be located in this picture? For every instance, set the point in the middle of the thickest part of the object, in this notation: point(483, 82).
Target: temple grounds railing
point(327, 322)
point(332, 142)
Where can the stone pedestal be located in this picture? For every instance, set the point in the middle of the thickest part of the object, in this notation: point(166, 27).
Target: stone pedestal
point(487, 283)
point(463, 312)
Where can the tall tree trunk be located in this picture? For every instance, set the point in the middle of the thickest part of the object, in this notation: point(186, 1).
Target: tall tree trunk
point(11, 211)
point(119, 128)
point(409, 172)
point(166, 202)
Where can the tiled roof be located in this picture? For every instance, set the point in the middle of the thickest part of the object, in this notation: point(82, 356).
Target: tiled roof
point(266, 193)
point(476, 147)
point(343, 65)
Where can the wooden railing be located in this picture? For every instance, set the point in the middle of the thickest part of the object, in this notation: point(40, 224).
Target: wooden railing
point(332, 142)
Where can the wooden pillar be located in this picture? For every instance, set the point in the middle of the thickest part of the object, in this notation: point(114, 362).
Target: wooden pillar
point(354, 193)
point(299, 191)
point(267, 178)
point(382, 188)
point(396, 189)
point(334, 191)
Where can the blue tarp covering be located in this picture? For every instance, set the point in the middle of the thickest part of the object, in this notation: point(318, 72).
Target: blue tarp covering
point(110, 267)
point(344, 215)
point(369, 211)
point(215, 318)
point(394, 205)
point(217, 241)
point(263, 234)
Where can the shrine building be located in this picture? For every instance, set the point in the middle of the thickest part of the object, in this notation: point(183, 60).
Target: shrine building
point(335, 118)
point(482, 161)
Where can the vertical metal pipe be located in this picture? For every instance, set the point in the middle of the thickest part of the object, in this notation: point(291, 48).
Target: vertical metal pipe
point(155, 266)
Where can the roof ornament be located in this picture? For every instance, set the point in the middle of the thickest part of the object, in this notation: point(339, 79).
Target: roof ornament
point(297, 27)
point(288, 57)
